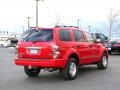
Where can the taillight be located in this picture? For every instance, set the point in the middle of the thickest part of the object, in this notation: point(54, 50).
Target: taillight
point(55, 51)
point(116, 45)
point(16, 53)
point(16, 50)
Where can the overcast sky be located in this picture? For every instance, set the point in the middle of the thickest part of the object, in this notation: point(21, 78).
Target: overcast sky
point(13, 13)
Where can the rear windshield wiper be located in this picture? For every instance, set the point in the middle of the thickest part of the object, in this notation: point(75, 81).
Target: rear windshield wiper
point(37, 41)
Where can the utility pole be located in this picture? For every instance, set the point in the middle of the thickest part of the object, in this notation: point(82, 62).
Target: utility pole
point(37, 12)
point(28, 21)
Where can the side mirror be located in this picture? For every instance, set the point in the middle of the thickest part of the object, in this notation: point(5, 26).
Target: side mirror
point(106, 38)
point(98, 40)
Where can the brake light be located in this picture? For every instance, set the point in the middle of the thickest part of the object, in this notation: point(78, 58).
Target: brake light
point(55, 51)
point(16, 53)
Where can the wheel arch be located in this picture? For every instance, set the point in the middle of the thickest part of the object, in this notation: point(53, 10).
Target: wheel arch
point(71, 53)
point(106, 52)
point(74, 55)
point(102, 53)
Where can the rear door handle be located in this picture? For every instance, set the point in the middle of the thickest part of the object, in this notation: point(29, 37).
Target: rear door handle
point(78, 46)
point(91, 46)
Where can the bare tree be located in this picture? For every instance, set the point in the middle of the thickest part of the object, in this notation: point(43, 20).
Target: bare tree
point(113, 18)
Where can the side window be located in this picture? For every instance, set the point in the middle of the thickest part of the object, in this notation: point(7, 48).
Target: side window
point(79, 36)
point(97, 36)
point(65, 35)
point(90, 38)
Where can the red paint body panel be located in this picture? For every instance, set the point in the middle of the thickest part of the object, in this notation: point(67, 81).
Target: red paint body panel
point(45, 50)
point(86, 52)
point(49, 63)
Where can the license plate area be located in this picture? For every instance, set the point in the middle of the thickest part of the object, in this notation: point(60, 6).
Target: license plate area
point(33, 51)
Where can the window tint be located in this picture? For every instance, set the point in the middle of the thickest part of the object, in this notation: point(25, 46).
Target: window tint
point(26, 33)
point(102, 37)
point(40, 35)
point(64, 35)
point(79, 36)
point(90, 38)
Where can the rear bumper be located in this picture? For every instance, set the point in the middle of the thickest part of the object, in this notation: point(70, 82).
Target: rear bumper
point(44, 63)
point(113, 49)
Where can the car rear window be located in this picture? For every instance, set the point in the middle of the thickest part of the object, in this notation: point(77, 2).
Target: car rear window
point(38, 35)
point(26, 33)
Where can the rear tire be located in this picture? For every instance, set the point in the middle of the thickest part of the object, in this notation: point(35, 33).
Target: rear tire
point(71, 70)
point(32, 72)
point(103, 63)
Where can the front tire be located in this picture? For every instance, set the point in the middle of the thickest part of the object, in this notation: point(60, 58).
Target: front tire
point(71, 70)
point(103, 63)
point(32, 72)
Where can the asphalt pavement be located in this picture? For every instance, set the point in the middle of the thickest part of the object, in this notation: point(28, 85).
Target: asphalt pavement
point(12, 77)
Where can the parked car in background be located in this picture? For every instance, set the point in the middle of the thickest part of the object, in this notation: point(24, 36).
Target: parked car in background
point(61, 48)
point(5, 43)
point(114, 45)
point(101, 37)
point(14, 42)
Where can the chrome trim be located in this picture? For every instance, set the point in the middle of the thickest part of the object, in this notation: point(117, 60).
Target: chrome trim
point(33, 47)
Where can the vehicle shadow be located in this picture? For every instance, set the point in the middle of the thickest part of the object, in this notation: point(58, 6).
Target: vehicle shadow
point(54, 77)
point(47, 78)
point(87, 70)
point(115, 54)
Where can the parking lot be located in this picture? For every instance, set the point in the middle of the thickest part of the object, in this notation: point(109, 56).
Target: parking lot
point(12, 77)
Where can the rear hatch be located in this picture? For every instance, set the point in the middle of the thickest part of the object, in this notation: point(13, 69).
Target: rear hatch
point(36, 45)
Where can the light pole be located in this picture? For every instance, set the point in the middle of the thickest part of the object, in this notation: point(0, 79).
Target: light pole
point(78, 22)
point(89, 28)
point(28, 21)
point(37, 12)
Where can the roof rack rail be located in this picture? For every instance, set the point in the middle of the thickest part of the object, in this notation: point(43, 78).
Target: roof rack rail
point(73, 26)
point(66, 26)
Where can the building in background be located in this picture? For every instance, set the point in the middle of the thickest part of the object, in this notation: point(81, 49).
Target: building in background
point(8, 38)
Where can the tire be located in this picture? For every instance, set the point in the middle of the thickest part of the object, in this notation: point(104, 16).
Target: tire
point(103, 63)
point(33, 72)
point(71, 69)
point(1, 45)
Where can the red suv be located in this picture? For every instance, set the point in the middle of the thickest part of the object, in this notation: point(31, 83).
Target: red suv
point(60, 48)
